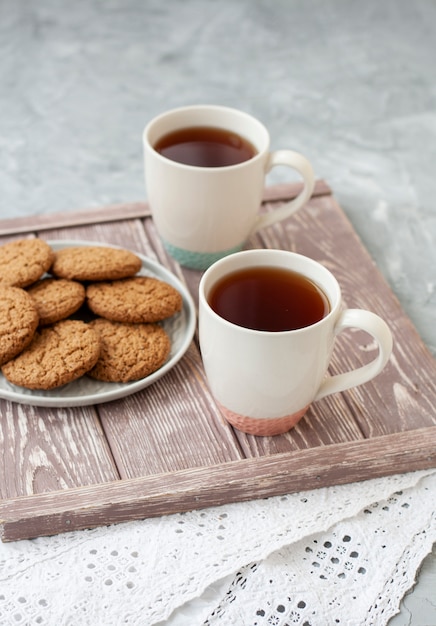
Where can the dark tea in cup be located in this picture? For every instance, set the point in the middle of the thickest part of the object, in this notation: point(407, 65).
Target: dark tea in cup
point(269, 299)
point(205, 170)
point(267, 324)
point(205, 146)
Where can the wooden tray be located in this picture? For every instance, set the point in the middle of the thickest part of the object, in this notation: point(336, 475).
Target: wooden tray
point(167, 448)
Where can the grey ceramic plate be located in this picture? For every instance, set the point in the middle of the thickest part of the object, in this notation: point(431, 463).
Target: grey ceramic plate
point(86, 391)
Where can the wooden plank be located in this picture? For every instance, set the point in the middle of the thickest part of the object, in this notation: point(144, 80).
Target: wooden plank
point(51, 449)
point(178, 418)
point(286, 191)
point(49, 221)
point(126, 233)
point(196, 488)
point(124, 211)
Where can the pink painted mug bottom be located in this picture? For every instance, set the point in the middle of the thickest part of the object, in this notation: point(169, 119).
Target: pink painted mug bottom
point(260, 426)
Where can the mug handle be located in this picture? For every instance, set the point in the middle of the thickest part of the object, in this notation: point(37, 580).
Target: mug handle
point(379, 330)
point(297, 162)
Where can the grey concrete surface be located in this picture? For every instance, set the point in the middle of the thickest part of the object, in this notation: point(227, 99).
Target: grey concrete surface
point(350, 84)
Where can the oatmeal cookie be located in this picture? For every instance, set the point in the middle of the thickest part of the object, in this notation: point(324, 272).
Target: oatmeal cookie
point(92, 263)
point(139, 299)
point(56, 299)
point(129, 351)
point(57, 355)
point(24, 261)
point(18, 321)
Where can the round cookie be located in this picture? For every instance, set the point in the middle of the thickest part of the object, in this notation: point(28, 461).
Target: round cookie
point(57, 355)
point(24, 261)
point(18, 321)
point(139, 299)
point(56, 299)
point(89, 263)
point(129, 351)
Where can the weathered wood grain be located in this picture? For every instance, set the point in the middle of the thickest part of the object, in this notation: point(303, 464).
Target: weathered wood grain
point(197, 488)
point(178, 418)
point(168, 448)
point(51, 449)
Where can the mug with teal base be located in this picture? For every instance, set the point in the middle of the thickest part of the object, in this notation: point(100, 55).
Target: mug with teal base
point(197, 260)
point(204, 211)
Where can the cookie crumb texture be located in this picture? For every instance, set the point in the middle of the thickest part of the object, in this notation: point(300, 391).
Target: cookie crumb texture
point(18, 321)
point(139, 299)
point(43, 347)
point(24, 261)
point(56, 299)
point(129, 351)
point(57, 355)
point(86, 263)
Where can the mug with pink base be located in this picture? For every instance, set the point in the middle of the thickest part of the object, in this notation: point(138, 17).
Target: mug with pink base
point(265, 379)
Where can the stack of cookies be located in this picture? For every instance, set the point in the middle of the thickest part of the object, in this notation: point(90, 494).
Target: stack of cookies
point(80, 310)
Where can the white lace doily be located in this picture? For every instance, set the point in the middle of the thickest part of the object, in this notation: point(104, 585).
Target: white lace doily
point(339, 555)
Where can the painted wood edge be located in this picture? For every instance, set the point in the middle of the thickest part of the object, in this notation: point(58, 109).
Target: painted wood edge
point(125, 211)
point(51, 221)
point(287, 191)
point(236, 481)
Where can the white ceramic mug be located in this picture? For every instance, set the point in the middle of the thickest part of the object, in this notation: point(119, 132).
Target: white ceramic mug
point(205, 213)
point(265, 381)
